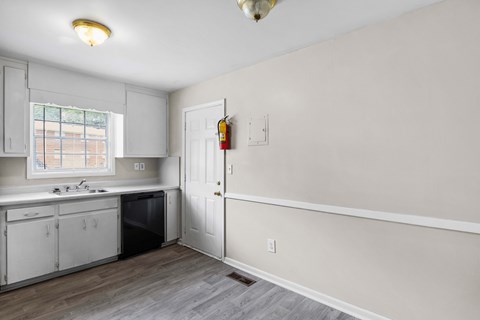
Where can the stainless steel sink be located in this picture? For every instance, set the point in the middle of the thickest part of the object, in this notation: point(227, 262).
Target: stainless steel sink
point(77, 192)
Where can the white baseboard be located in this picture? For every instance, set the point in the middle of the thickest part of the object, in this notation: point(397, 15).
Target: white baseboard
point(309, 293)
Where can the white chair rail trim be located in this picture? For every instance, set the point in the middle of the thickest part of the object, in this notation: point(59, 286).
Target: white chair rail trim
point(415, 220)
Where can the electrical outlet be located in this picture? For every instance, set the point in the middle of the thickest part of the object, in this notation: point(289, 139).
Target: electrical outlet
point(271, 246)
point(142, 166)
point(136, 166)
point(230, 169)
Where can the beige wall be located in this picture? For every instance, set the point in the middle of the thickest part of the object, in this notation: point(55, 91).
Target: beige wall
point(385, 118)
point(13, 172)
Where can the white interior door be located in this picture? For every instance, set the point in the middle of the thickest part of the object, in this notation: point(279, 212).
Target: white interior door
point(204, 179)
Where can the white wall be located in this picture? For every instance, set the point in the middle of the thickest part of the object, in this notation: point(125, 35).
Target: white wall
point(385, 118)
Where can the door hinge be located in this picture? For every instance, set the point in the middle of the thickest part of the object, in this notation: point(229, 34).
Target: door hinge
point(57, 265)
point(5, 232)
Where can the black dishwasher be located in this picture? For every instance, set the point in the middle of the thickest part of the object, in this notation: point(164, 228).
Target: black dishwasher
point(143, 222)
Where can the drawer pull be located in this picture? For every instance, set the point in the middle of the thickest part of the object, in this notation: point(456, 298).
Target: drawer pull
point(84, 224)
point(31, 214)
point(48, 230)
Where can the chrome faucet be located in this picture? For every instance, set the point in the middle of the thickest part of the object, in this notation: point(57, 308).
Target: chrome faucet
point(80, 184)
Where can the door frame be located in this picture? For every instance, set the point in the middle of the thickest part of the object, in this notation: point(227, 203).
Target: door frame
point(183, 176)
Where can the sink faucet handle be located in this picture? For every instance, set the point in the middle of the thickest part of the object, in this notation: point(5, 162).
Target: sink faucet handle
point(80, 184)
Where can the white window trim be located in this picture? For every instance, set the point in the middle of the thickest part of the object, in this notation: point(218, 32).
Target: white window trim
point(72, 173)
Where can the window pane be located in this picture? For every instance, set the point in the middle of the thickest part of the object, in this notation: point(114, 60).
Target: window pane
point(39, 161)
point(73, 116)
point(39, 145)
point(96, 133)
point(96, 147)
point(96, 119)
point(73, 146)
point(66, 139)
point(73, 161)
point(75, 131)
point(52, 146)
point(52, 129)
point(52, 114)
point(97, 161)
point(38, 126)
point(52, 161)
point(37, 112)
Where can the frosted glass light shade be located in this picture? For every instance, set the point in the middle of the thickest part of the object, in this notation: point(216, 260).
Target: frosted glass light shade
point(91, 32)
point(256, 9)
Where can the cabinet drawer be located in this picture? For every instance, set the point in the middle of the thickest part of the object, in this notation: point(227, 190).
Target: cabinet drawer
point(30, 213)
point(88, 205)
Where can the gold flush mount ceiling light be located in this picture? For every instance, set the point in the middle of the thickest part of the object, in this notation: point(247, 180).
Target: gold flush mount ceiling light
point(91, 32)
point(256, 9)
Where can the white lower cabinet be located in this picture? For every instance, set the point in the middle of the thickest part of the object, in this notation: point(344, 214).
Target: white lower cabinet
point(86, 238)
point(41, 240)
point(73, 241)
point(103, 234)
point(172, 200)
point(31, 249)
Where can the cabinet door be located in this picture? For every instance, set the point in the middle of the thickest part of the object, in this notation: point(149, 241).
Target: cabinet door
point(173, 213)
point(146, 125)
point(30, 249)
point(15, 136)
point(103, 235)
point(73, 239)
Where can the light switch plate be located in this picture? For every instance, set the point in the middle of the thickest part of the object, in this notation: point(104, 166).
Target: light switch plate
point(271, 246)
point(142, 166)
point(136, 166)
point(230, 169)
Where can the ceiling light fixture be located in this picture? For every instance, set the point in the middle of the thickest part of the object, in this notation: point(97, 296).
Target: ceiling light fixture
point(256, 9)
point(91, 32)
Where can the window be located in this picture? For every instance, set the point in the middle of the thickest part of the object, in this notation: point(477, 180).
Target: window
point(70, 142)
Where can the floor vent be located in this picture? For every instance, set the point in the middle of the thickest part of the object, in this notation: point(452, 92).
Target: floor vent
point(243, 280)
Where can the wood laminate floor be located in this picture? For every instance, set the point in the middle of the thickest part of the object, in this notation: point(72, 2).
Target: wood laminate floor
point(171, 283)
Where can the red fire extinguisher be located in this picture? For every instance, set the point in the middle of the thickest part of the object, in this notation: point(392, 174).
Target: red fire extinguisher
point(224, 133)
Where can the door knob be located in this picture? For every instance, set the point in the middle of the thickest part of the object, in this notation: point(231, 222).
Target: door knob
point(218, 193)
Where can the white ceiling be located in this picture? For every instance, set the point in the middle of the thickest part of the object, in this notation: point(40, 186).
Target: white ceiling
point(170, 44)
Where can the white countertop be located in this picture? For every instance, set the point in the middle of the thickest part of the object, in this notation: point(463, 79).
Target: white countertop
point(37, 197)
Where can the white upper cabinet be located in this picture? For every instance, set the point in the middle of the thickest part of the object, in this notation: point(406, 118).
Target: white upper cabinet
point(14, 109)
point(145, 125)
point(146, 128)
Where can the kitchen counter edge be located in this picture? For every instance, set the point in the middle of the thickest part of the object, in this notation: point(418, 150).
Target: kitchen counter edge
point(39, 197)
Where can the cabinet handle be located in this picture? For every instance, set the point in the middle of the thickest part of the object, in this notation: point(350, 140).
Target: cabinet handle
point(31, 214)
point(95, 223)
point(48, 230)
point(84, 224)
point(10, 143)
